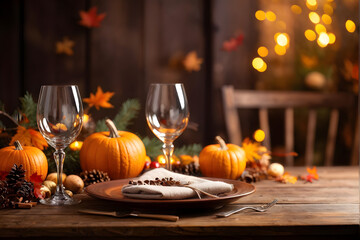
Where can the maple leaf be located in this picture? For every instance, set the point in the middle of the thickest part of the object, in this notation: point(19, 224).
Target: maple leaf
point(100, 99)
point(251, 150)
point(233, 43)
point(37, 182)
point(192, 62)
point(313, 173)
point(3, 175)
point(65, 47)
point(286, 178)
point(90, 19)
point(29, 137)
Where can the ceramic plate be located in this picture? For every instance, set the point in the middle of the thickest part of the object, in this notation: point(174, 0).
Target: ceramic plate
point(112, 191)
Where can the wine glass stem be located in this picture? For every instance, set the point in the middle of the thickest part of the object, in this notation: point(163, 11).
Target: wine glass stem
point(168, 149)
point(59, 156)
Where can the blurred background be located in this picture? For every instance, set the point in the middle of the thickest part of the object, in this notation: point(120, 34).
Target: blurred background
point(297, 45)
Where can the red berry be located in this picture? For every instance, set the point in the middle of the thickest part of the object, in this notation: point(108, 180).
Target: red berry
point(154, 165)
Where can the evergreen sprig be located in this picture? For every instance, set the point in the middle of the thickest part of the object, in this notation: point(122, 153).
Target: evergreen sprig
point(71, 162)
point(127, 113)
point(153, 146)
point(28, 107)
point(192, 149)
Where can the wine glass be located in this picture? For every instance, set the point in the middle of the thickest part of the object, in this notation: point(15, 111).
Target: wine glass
point(167, 115)
point(59, 118)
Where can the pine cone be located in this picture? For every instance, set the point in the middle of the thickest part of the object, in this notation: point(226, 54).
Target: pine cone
point(94, 176)
point(4, 199)
point(16, 175)
point(188, 169)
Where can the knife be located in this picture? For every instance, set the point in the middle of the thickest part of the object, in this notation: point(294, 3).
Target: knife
point(119, 214)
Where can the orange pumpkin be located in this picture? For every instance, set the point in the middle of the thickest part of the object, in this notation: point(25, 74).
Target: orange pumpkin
point(222, 160)
point(119, 153)
point(32, 159)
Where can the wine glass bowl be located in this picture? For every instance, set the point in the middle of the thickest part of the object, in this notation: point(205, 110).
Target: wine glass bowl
point(167, 114)
point(59, 118)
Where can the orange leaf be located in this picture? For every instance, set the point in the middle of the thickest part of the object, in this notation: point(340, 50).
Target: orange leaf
point(65, 46)
point(100, 99)
point(192, 62)
point(287, 178)
point(313, 172)
point(90, 19)
point(29, 137)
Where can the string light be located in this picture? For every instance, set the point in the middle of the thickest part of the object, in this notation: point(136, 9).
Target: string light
point(350, 26)
point(260, 15)
point(332, 38)
point(311, 4)
point(259, 135)
point(319, 28)
point(296, 9)
point(263, 51)
point(282, 40)
point(326, 19)
point(323, 40)
point(279, 50)
point(310, 35)
point(259, 64)
point(314, 17)
point(270, 16)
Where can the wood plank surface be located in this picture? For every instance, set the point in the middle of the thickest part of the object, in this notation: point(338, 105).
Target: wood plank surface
point(325, 208)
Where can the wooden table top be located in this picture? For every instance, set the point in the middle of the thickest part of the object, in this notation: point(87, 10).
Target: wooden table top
point(325, 209)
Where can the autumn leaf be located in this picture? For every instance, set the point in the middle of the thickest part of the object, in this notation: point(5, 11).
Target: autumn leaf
point(3, 175)
point(251, 150)
point(100, 99)
point(192, 62)
point(90, 19)
point(37, 182)
point(313, 172)
point(286, 178)
point(233, 43)
point(65, 46)
point(29, 137)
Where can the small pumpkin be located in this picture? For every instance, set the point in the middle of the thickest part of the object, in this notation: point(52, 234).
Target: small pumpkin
point(121, 154)
point(222, 160)
point(32, 159)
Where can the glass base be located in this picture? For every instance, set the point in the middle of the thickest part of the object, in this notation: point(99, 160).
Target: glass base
point(60, 200)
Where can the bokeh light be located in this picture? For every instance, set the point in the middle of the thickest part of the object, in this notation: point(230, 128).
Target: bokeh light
point(328, 9)
point(314, 17)
point(263, 51)
point(260, 15)
point(310, 35)
point(279, 50)
point(332, 38)
point(259, 135)
point(319, 28)
point(323, 39)
point(296, 9)
point(326, 19)
point(311, 4)
point(258, 63)
point(350, 26)
point(282, 39)
point(263, 68)
point(270, 15)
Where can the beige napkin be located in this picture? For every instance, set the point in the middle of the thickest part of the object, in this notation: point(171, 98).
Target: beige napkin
point(173, 192)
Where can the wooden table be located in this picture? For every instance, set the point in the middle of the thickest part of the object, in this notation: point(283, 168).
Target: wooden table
point(325, 209)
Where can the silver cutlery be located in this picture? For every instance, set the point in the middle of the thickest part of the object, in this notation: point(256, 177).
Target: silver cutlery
point(262, 208)
point(171, 218)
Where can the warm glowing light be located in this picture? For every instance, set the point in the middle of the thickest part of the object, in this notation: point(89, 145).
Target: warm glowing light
point(319, 28)
point(259, 135)
point(263, 51)
point(311, 4)
point(279, 50)
point(86, 118)
point(350, 26)
point(296, 9)
point(263, 68)
point(328, 9)
point(326, 19)
point(332, 38)
point(310, 35)
point(282, 40)
point(270, 16)
point(260, 15)
point(76, 146)
point(258, 63)
point(323, 39)
point(314, 17)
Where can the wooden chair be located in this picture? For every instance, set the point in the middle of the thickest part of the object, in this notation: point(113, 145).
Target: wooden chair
point(264, 100)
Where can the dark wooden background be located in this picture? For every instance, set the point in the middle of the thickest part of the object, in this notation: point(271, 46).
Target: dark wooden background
point(131, 49)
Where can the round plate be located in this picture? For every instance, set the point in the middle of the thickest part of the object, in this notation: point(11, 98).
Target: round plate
point(112, 191)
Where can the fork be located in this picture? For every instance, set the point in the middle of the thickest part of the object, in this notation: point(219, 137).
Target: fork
point(262, 208)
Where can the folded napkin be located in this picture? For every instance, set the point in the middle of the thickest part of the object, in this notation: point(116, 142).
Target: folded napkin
point(173, 192)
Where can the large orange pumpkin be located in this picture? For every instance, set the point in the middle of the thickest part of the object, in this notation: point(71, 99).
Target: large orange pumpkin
point(119, 153)
point(222, 160)
point(32, 159)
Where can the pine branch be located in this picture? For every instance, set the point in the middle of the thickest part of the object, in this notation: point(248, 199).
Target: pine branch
point(71, 163)
point(127, 113)
point(153, 146)
point(193, 149)
point(28, 107)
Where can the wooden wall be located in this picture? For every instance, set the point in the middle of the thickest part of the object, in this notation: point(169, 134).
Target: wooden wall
point(132, 48)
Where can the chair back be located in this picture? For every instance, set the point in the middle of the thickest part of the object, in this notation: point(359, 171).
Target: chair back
point(264, 100)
